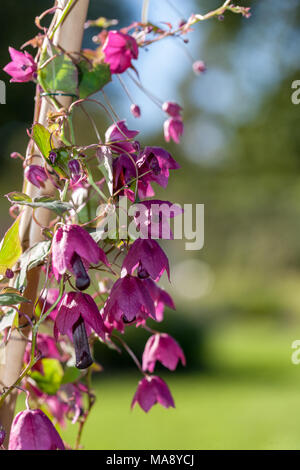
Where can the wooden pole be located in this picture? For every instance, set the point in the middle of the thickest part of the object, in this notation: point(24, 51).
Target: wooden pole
point(69, 36)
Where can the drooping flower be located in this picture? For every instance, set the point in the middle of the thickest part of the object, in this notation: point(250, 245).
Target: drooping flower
point(119, 50)
point(72, 246)
point(151, 218)
point(77, 315)
point(163, 348)
point(152, 390)
point(128, 301)
point(172, 108)
point(124, 171)
point(46, 347)
point(173, 129)
point(75, 170)
point(135, 110)
point(36, 175)
point(68, 402)
point(22, 68)
point(199, 67)
point(155, 163)
point(33, 430)
point(160, 297)
point(120, 138)
point(148, 257)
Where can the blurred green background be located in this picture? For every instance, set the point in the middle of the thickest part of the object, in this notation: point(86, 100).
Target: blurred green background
point(238, 299)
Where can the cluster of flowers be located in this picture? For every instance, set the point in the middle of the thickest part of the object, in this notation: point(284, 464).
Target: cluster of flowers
point(127, 294)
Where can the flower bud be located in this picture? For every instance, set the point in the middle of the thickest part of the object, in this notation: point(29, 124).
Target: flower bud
point(135, 110)
point(52, 157)
point(74, 167)
point(172, 108)
point(199, 67)
point(9, 273)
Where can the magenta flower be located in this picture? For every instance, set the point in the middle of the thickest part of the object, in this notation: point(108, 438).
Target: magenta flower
point(73, 249)
point(129, 300)
point(67, 401)
point(152, 390)
point(46, 347)
point(119, 50)
point(159, 161)
point(33, 430)
point(172, 108)
point(22, 68)
point(162, 348)
point(151, 218)
point(123, 173)
point(160, 297)
point(148, 257)
point(135, 110)
point(173, 129)
point(122, 136)
point(36, 175)
point(77, 315)
point(199, 67)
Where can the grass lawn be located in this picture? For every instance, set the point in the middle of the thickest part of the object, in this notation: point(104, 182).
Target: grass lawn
point(250, 399)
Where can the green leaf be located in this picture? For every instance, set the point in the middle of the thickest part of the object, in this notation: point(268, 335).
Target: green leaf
point(10, 250)
point(71, 375)
point(46, 202)
point(93, 79)
point(50, 382)
point(17, 197)
point(42, 138)
point(59, 75)
point(30, 259)
point(11, 299)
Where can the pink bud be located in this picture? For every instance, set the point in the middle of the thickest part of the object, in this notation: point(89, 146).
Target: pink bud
point(135, 110)
point(9, 273)
point(199, 67)
point(172, 108)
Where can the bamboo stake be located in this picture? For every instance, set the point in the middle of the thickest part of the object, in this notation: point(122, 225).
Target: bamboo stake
point(69, 36)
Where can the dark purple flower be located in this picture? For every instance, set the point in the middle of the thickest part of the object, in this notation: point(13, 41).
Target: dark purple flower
point(9, 274)
point(129, 300)
point(52, 156)
point(150, 259)
point(71, 247)
point(122, 136)
point(36, 175)
point(77, 315)
point(163, 348)
point(22, 68)
point(33, 430)
point(159, 161)
point(152, 390)
point(173, 129)
point(160, 297)
point(124, 171)
point(119, 49)
point(74, 167)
